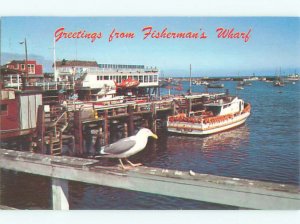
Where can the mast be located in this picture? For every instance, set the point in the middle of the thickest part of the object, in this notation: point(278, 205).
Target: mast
point(190, 79)
point(54, 61)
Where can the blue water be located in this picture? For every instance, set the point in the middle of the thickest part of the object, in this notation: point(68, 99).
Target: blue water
point(265, 148)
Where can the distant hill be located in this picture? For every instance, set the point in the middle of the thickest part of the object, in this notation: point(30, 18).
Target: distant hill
point(47, 64)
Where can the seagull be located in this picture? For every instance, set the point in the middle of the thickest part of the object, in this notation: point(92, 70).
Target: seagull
point(126, 147)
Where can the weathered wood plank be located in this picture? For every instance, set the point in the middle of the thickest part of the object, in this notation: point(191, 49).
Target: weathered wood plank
point(203, 187)
point(4, 207)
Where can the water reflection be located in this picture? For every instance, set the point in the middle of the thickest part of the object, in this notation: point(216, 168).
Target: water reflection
point(229, 140)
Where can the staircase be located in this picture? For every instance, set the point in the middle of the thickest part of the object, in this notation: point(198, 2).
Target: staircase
point(181, 105)
point(51, 128)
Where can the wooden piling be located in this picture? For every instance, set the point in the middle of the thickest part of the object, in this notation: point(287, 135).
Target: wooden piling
point(78, 133)
point(40, 129)
point(105, 128)
point(173, 110)
point(189, 106)
point(130, 120)
point(153, 125)
point(125, 130)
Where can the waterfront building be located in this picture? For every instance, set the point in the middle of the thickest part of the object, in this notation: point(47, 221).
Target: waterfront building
point(15, 69)
point(70, 70)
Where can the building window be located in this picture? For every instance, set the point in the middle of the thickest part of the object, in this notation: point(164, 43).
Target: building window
point(151, 78)
point(31, 69)
point(141, 78)
point(146, 78)
point(22, 66)
point(3, 109)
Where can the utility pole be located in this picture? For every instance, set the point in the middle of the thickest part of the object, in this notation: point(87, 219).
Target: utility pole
point(26, 62)
point(25, 78)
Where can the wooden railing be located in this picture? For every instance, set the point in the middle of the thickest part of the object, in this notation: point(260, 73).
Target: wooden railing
point(183, 184)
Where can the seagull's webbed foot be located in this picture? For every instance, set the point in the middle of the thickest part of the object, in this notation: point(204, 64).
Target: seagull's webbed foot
point(133, 164)
point(124, 167)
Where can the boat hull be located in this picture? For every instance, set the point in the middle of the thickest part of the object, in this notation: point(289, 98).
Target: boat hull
point(206, 129)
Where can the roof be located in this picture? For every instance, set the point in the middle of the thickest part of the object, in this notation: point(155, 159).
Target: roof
point(73, 63)
point(19, 61)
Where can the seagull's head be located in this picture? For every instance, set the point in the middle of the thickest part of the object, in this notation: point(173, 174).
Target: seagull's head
point(147, 133)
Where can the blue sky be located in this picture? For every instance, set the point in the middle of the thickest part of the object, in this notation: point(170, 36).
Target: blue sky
point(274, 43)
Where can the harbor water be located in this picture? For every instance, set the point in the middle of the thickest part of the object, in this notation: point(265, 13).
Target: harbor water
point(265, 148)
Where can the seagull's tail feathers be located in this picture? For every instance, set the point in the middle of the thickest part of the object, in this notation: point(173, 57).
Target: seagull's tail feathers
point(101, 152)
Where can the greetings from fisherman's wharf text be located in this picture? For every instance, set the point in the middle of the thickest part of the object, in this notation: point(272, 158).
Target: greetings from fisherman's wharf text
point(149, 32)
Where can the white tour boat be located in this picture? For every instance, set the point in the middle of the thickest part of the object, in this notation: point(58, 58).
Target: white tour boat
point(220, 115)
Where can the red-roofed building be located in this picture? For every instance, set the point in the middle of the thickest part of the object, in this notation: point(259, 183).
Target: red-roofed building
point(19, 65)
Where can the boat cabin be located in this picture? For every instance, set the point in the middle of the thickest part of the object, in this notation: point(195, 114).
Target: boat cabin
point(225, 106)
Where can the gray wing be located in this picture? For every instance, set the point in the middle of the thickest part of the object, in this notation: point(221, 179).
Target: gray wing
point(119, 147)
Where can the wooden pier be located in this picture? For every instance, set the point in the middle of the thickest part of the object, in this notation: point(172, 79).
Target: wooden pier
point(189, 185)
point(87, 126)
point(84, 124)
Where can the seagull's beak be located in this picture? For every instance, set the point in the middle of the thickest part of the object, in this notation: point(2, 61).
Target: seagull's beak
point(154, 136)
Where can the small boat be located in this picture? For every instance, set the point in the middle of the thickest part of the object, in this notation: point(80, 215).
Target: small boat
point(278, 83)
point(220, 115)
point(215, 85)
point(239, 87)
point(128, 83)
point(199, 83)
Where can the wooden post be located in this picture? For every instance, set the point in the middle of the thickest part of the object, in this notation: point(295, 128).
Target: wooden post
point(98, 142)
point(153, 118)
point(60, 194)
point(105, 128)
point(88, 138)
point(102, 143)
point(130, 120)
point(78, 133)
point(125, 130)
point(189, 107)
point(51, 144)
point(40, 129)
point(173, 105)
point(146, 123)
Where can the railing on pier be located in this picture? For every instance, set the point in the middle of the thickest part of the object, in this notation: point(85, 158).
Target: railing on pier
point(122, 109)
point(189, 185)
point(41, 85)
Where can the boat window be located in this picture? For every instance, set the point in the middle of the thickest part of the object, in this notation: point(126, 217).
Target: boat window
point(226, 105)
point(106, 77)
point(4, 109)
point(215, 109)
